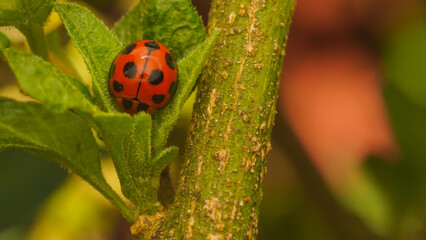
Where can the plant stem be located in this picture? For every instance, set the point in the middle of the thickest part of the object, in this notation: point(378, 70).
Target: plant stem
point(36, 39)
point(220, 187)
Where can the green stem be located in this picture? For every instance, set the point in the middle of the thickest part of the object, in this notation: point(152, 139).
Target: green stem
point(106, 190)
point(36, 40)
point(219, 191)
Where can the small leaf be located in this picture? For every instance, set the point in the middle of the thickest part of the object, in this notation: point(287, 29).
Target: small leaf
point(25, 13)
point(139, 146)
point(11, 17)
point(130, 27)
point(137, 149)
point(60, 137)
point(37, 10)
point(44, 82)
point(4, 41)
point(163, 159)
point(29, 17)
point(174, 23)
point(403, 60)
point(128, 142)
point(115, 129)
point(403, 179)
point(189, 69)
point(96, 44)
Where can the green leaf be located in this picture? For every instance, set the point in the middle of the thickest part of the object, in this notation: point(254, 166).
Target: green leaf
point(44, 82)
point(4, 41)
point(137, 149)
point(189, 69)
point(174, 23)
point(37, 10)
point(403, 60)
point(97, 46)
point(163, 159)
point(404, 179)
point(130, 27)
point(115, 128)
point(61, 137)
point(138, 152)
point(11, 17)
point(25, 13)
point(128, 141)
point(29, 17)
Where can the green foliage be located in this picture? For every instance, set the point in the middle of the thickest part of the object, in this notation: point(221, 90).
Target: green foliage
point(189, 69)
point(404, 61)
point(138, 154)
point(4, 41)
point(36, 181)
point(42, 81)
point(31, 126)
point(37, 10)
point(404, 180)
point(29, 16)
point(130, 28)
point(128, 142)
point(10, 17)
point(97, 46)
point(163, 159)
point(174, 23)
point(61, 128)
point(61, 137)
point(114, 129)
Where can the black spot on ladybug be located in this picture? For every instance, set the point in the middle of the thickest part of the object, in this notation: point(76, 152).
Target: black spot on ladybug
point(118, 87)
point(158, 98)
point(142, 107)
point(130, 70)
point(152, 45)
point(127, 104)
point(156, 77)
point(129, 48)
point(169, 61)
point(173, 87)
point(111, 71)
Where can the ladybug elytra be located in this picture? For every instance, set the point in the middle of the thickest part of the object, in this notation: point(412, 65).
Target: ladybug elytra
point(143, 77)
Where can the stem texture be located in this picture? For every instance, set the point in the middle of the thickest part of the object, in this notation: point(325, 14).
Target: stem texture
point(219, 191)
point(36, 40)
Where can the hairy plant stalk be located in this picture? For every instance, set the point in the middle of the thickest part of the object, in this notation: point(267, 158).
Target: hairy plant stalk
point(36, 40)
point(219, 191)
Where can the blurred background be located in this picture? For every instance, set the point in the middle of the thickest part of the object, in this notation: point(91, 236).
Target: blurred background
point(349, 144)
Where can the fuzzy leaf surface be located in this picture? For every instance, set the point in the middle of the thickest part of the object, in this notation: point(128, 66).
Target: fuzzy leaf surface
point(162, 159)
point(128, 141)
point(29, 17)
point(37, 10)
point(138, 153)
point(130, 27)
point(174, 23)
point(10, 17)
point(189, 69)
point(97, 46)
point(115, 128)
point(60, 137)
point(4, 41)
point(25, 13)
point(44, 82)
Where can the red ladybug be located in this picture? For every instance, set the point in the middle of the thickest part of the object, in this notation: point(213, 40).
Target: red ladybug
point(143, 77)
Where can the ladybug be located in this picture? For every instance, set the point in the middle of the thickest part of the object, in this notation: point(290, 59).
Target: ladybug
point(143, 77)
